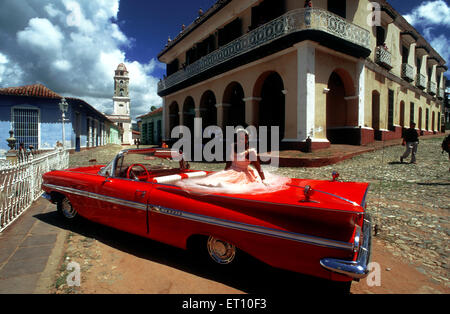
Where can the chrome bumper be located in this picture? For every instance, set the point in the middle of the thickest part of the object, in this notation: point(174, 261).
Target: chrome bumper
point(355, 269)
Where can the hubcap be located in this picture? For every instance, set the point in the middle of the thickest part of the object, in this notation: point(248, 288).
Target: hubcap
point(221, 251)
point(67, 209)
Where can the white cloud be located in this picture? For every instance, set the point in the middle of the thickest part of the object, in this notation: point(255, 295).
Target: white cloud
point(433, 18)
point(430, 13)
point(441, 44)
point(73, 48)
point(40, 35)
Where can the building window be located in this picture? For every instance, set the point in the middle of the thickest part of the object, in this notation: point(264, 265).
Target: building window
point(381, 36)
point(391, 110)
point(26, 127)
point(230, 32)
point(267, 11)
point(338, 7)
point(405, 53)
point(411, 112)
point(172, 67)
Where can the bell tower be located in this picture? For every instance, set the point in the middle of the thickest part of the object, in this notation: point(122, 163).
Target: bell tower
point(121, 102)
point(121, 97)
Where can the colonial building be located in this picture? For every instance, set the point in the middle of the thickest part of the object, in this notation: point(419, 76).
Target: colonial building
point(340, 71)
point(33, 113)
point(121, 104)
point(151, 127)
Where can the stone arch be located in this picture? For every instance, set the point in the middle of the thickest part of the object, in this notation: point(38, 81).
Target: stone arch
point(341, 109)
point(233, 105)
point(269, 102)
point(189, 112)
point(208, 110)
point(174, 116)
point(375, 110)
point(419, 124)
point(433, 121)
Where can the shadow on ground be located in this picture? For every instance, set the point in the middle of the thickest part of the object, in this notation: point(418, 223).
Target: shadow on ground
point(248, 275)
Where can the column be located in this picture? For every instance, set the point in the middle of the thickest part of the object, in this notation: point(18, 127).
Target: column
point(252, 110)
point(222, 115)
point(361, 73)
point(163, 122)
point(306, 87)
point(181, 117)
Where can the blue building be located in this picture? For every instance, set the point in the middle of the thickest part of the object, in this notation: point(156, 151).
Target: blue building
point(34, 114)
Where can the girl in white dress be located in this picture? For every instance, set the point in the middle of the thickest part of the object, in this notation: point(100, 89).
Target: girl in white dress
point(242, 175)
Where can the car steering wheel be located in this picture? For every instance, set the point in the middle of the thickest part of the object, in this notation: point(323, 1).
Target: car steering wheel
point(129, 171)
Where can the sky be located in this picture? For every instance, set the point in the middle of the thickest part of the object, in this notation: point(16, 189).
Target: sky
point(74, 46)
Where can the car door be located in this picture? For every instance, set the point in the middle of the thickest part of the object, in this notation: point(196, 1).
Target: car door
point(122, 204)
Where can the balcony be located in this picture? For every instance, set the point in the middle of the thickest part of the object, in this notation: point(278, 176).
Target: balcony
point(298, 21)
point(407, 72)
point(421, 81)
point(432, 88)
point(441, 93)
point(383, 57)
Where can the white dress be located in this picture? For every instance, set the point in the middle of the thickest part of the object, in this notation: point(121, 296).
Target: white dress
point(240, 178)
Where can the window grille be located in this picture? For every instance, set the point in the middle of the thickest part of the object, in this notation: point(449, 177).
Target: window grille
point(26, 127)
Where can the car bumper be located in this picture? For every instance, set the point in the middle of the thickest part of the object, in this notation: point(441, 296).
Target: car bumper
point(355, 269)
point(46, 196)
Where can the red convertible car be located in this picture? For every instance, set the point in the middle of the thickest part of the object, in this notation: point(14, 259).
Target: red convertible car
point(318, 228)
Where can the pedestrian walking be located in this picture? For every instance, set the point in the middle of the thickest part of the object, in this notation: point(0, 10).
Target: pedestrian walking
point(411, 141)
point(446, 146)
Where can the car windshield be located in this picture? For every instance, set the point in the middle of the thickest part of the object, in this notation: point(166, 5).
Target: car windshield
point(142, 164)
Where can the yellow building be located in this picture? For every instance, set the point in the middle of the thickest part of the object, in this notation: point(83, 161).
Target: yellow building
point(337, 72)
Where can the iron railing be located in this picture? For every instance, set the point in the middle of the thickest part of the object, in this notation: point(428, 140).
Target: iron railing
point(407, 72)
point(383, 57)
point(20, 182)
point(421, 81)
point(293, 21)
point(432, 88)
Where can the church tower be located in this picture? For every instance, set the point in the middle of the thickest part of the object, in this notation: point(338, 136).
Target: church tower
point(121, 102)
point(121, 97)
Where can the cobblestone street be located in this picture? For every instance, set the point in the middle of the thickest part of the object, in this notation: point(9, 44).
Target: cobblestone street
point(410, 203)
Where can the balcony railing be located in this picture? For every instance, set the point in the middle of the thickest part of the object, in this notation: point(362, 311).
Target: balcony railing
point(383, 57)
point(291, 22)
point(432, 88)
point(441, 93)
point(421, 81)
point(407, 72)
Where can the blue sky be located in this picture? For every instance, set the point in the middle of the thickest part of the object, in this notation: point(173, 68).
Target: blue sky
point(74, 46)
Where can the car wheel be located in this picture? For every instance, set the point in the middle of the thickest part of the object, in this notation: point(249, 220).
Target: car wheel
point(66, 210)
point(220, 251)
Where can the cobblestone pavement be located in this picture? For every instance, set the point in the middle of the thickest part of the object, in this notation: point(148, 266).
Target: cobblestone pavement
point(410, 203)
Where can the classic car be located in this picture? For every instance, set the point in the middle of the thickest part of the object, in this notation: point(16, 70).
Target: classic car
point(314, 227)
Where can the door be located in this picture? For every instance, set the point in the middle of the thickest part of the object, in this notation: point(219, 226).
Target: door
point(122, 204)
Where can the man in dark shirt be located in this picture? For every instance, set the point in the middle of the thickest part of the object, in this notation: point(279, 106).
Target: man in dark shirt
point(411, 140)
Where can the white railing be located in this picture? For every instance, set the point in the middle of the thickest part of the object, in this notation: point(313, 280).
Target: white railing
point(441, 93)
point(384, 57)
point(421, 81)
point(20, 182)
point(407, 72)
point(432, 88)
